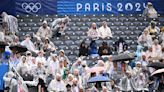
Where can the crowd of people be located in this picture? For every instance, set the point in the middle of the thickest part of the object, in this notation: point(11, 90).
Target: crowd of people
point(47, 69)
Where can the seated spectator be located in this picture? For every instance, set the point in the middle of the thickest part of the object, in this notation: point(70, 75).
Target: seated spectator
point(28, 44)
point(93, 48)
point(2, 35)
point(63, 57)
point(41, 57)
point(38, 43)
point(120, 45)
point(93, 31)
point(11, 22)
point(83, 50)
point(145, 39)
point(48, 46)
point(53, 64)
point(23, 66)
point(161, 37)
point(44, 31)
point(104, 49)
point(150, 11)
point(153, 30)
point(104, 30)
point(156, 48)
point(58, 26)
point(57, 85)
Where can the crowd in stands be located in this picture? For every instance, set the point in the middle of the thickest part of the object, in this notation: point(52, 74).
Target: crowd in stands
point(47, 69)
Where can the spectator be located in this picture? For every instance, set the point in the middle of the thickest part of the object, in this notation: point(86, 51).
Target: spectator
point(29, 44)
point(41, 57)
point(48, 46)
point(44, 31)
point(2, 35)
point(93, 31)
point(83, 50)
point(161, 37)
point(38, 43)
point(120, 45)
point(57, 84)
point(150, 11)
point(153, 30)
point(93, 49)
point(11, 22)
point(104, 30)
point(53, 64)
point(63, 57)
point(104, 49)
point(145, 39)
point(137, 69)
point(109, 65)
point(59, 25)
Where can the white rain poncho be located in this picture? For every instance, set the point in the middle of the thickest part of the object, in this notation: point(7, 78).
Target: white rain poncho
point(12, 22)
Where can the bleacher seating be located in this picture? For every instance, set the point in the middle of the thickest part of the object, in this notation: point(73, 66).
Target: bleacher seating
point(129, 26)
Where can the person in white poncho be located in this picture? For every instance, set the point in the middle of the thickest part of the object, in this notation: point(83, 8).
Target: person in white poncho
point(149, 11)
point(58, 26)
point(57, 85)
point(104, 31)
point(11, 21)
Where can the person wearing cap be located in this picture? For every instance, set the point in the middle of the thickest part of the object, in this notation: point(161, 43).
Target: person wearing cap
point(150, 11)
point(153, 30)
point(145, 39)
point(57, 85)
point(44, 30)
point(28, 43)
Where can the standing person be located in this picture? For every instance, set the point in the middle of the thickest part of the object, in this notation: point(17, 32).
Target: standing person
point(109, 65)
point(44, 31)
point(150, 11)
point(93, 31)
point(83, 50)
point(11, 22)
point(59, 25)
point(104, 30)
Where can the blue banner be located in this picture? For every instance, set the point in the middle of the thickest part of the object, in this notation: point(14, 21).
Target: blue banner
point(43, 7)
point(7, 6)
point(106, 6)
point(40, 7)
point(3, 69)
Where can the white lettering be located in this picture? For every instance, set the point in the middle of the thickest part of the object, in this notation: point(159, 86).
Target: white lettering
point(95, 7)
point(87, 7)
point(109, 7)
point(128, 7)
point(78, 6)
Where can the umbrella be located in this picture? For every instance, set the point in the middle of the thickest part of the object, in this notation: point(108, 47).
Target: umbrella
point(3, 44)
point(95, 69)
point(18, 48)
point(123, 57)
point(159, 71)
point(98, 79)
point(156, 65)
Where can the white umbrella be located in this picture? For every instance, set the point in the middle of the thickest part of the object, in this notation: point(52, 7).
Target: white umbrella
point(158, 71)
